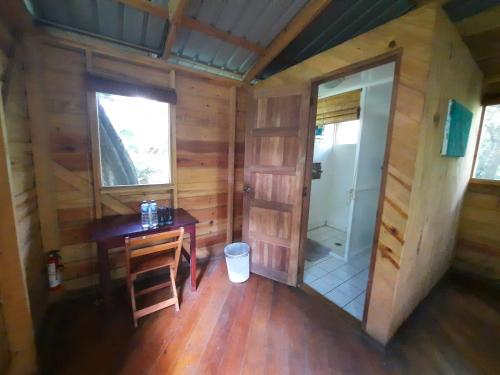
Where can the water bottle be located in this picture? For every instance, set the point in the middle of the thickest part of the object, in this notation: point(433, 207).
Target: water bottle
point(145, 215)
point(153, 215)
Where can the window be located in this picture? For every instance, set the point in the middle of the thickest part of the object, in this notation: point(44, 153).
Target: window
point(347, 133)
point(488, 154)
point(134, 140)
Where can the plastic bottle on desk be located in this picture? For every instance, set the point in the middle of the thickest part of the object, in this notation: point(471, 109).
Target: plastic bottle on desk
point(153, 215)
point(145, 215)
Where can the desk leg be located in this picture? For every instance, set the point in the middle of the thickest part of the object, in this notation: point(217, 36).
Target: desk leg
point(192, 254)
point(104, 274)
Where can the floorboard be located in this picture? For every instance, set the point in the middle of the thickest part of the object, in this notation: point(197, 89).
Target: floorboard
point(263, 327)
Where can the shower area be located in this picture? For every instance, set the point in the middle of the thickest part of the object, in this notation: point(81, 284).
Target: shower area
point(349, 147)
point(334, 158)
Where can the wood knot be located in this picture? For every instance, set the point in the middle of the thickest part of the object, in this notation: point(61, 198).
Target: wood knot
point(436, 119)
point(392, 44)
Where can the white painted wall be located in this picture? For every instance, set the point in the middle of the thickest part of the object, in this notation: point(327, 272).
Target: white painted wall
point(320, 189)
point(375, 110)
point(341, 169)
point(329, 195)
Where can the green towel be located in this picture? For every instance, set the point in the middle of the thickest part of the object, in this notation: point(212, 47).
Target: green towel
point(456, 131)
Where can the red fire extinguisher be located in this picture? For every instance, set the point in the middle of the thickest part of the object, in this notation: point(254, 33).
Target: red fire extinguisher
point(54, 268)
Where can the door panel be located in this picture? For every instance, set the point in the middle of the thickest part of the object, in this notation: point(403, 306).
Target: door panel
point(274, 176)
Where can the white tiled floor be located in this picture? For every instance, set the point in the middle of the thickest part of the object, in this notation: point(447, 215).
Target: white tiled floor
point(343, 283)
point(329, 237)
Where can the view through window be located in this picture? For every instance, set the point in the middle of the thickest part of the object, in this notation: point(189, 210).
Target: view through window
point(488, 154)
point(134, 137)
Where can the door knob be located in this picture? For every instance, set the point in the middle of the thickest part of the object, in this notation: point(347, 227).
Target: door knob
point(247, 189)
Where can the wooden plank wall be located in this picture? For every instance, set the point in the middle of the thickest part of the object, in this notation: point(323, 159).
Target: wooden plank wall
point(21, 158)
point(440, 183)
point(243, 97)
point(7, 40)
point(414, 34)
point(202, 145)
point(4, 344)
point(22, 282)
point(202, 151)
point(478, 244)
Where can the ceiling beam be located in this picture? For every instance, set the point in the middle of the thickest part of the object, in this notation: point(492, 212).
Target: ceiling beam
point(484, 21)
point(15, 14)
point(176, 9)
point(308, 13)
point(212, 31)
point(147, 6)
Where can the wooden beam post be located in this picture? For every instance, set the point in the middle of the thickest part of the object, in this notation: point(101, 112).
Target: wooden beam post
point(212, 31)
point(13, 288)
point(230, 162)
point(176, 9)
point(147, 6)
point(173, 144)
point(310, 11)
point(40, 142)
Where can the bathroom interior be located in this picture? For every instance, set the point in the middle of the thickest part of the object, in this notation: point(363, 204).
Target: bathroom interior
point(352, 124)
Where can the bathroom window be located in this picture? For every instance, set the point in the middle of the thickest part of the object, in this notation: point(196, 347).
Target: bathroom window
point(347, 133)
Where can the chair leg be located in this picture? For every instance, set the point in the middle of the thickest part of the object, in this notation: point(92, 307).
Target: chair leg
point(132, 302)
point(174, 288)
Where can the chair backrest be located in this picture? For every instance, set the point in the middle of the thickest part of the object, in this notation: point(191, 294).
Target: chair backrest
point(154, 244)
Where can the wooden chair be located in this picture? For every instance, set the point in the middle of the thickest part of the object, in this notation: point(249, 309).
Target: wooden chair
point(150, 253)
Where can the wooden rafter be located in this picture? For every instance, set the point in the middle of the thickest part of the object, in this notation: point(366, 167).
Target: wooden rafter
point(147, 6)
point(482, 22)
point(17, 16)
point(176, 9)
point(300, 21)
point(201, 27)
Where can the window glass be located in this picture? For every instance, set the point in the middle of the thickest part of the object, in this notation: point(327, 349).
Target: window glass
point(347, 133)
point(134, 137)
point(488, 154)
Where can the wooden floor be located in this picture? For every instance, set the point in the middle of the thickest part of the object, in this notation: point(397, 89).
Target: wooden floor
point(262, 327)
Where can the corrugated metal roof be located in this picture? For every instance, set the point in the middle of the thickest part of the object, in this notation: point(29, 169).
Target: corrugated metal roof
point(339, 22)
point(257, 21)
point(107, 19)
point(460, 9)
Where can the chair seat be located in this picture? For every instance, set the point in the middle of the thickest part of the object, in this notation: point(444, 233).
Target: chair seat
point(150, 263)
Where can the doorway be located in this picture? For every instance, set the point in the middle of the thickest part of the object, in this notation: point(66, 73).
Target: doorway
point(350, 139)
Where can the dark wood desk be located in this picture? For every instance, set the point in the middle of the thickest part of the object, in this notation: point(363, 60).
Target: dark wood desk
point(110, 232)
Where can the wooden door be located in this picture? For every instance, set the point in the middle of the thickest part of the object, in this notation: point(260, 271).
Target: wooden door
point(275, 153)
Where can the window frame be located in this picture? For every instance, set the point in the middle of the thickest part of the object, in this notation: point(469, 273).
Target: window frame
point(472, 179)
point(93, 120)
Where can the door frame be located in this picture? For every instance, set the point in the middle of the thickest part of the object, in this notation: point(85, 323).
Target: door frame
point(392, 56)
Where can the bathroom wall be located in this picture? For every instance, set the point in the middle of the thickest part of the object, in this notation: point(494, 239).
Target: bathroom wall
point(341, 165)
point(329, 195)
point(411, 256)
point(375, 110)
point(321, 188)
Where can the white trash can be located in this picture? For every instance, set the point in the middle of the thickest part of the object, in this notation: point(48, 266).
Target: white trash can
point(238, 261)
